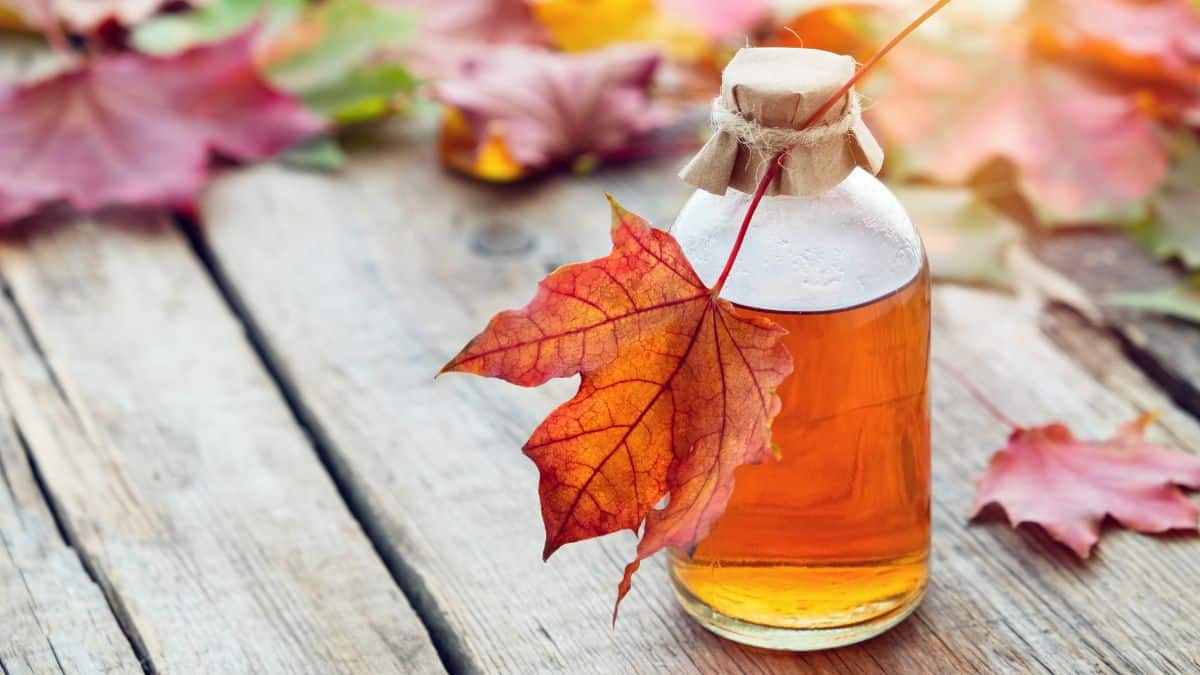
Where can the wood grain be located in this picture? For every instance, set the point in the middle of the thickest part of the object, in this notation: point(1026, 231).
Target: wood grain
point(1109, 262)
point(176, 468)
point(53, 618)
point(362, 285)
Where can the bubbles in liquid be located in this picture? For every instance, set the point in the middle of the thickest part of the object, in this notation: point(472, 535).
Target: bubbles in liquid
point(840, 249)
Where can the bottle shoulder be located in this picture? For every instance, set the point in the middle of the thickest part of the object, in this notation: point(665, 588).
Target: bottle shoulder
point(846, 247)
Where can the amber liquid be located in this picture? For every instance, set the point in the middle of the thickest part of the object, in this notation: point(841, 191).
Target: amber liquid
point(836, 532)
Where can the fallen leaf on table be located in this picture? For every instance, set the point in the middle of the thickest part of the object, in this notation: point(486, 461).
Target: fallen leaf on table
point(677, 391)
point(546, 108)
point(1047, 476)
point(1180, 302)
point(330, 41)
point(12, 18)
point(582, 25)
point(321, 53)
point(839, 27)
point(213, 21)
point(720, 20)
point(1150, 39)
point(1084, 148)
point(141, 130)
point(965, 238)
point(450, 32)
point(1173, 230)
point(321, 154)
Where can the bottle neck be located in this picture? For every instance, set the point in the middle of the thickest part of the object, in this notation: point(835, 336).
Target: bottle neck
point(846, 247)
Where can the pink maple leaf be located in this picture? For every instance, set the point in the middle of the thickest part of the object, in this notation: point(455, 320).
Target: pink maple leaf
point(550, 107)
point(128, 129)
point(1047, 476)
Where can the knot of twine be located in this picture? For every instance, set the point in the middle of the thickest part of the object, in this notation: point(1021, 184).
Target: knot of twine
point(773, 140)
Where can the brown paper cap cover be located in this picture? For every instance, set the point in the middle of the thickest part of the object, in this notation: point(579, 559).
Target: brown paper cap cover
point(780, 88)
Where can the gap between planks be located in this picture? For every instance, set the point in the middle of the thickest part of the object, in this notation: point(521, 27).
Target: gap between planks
point(444, 640)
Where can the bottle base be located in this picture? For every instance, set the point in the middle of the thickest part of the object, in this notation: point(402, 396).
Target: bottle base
point(794, 639)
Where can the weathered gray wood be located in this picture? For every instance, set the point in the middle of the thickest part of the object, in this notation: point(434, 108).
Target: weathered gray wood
point(1109, 262)
point(363, 284)
point(53, 619)
point(177, 469)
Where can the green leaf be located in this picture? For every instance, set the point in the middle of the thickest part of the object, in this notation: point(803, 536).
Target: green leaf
point(364, 94)
point(341, 36)
point(1181, 302)
point(322, 153)
point(211, 22)
point(965, 238)
point(321, 53)
point(1174, 229)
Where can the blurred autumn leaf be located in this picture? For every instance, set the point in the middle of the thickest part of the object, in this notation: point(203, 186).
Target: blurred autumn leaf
point(1072, 103)
point(80, 15)
point(965, 238)
point(685, 30)
point(521, 110)
point(1154, 40)
point(582, 25)
point(322, 53)
point(11, 18)
point(1174, 229)
point(1084, 147)
point(213, 21)
point(1180, 302)
point(202, 102)
point(451, 32)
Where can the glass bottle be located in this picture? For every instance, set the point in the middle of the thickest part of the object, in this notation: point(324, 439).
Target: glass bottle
point(828, 545)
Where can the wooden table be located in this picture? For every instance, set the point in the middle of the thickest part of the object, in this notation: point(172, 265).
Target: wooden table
point(222, 449)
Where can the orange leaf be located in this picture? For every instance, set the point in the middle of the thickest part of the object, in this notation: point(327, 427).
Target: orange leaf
point(582, 25)
point(485, 156)
point(1047, 476)
point(1156, 40)
point(677, 391)
point(839, 28)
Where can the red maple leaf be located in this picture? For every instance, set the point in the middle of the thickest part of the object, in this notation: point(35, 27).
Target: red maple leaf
point(128, 129)
point(677, 391)
point(1047, 476)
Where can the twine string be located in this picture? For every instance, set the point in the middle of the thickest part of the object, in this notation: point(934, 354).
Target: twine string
point(771, 141)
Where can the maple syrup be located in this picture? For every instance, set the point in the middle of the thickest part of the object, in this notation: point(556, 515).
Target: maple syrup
point(829, 544)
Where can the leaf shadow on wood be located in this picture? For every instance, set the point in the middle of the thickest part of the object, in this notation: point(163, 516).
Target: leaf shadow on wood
point(1038, 540)
point(142, 223)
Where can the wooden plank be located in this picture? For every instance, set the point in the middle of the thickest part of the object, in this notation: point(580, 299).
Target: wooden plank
point(53, 618)
point(1110, 262)
point(363, 284)
point(178, 471)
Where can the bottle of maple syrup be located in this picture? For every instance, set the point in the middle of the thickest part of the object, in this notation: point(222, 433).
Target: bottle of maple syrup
point(828, 545)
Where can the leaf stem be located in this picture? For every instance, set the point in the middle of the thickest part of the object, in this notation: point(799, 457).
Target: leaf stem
point(777, 163)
